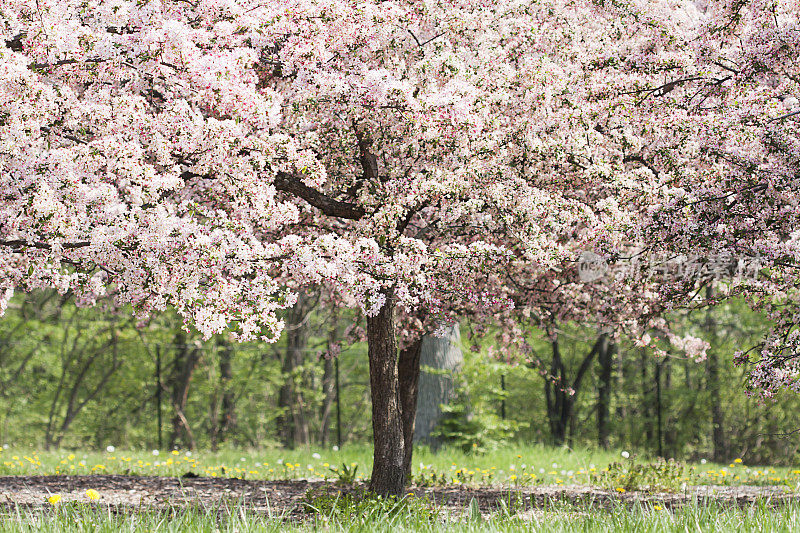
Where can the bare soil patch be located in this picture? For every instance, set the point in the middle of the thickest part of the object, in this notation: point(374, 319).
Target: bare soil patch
point(277, 497)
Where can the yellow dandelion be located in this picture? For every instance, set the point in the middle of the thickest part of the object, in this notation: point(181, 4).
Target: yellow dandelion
point(54, 499)
point(92, 494)
point(620, 489)
point(737, 460)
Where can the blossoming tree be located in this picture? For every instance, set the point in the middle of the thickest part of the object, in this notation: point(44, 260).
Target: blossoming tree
point(719, 135)
point(216, 155)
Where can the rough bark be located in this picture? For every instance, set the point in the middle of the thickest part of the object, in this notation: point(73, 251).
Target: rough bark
point(388, 476)
point(408, 375)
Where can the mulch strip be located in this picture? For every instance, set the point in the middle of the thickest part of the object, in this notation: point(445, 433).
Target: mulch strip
point(125, 493)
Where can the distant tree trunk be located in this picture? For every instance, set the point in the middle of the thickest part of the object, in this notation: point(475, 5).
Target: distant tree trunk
point(328, 375)
point(228, 397)
point(669, 436)
point(713, 387)
point(180, 377)
point(647, 399)
point(560, 403)
point(223, 417)
point(328, 383)
point(293, 423)
point(659, 409)
point(75, 401)
point(213, 414)
point(606, 359)
point(388, 475)
point(441, 354)
point(621, 411)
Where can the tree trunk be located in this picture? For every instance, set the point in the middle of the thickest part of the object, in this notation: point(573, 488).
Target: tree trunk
point(227, 420)
point(647, 398)
point(659, 416)
point(388, 476)
point(221, 412)
point(560, 403)
point(213, 415)
point(621, 411)
point(328, 384)
point(293, 423)
point(440, 354)
point(554, 396)
point(180, 378)
point(713, 387)
point(669, 435)
point(408, 375)
point(606, 360)
point(74, 405)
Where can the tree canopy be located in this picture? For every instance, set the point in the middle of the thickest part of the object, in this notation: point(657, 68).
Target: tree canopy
point(218, 156)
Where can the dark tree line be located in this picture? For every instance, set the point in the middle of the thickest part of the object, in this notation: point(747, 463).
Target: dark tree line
point(71, 376)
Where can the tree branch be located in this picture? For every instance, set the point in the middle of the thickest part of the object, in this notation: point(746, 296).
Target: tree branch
point(20, 243)
point(335, 208)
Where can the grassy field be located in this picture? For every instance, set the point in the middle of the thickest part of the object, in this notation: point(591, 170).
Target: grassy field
point(233, 518)
point(516, 466)
point(520, 466)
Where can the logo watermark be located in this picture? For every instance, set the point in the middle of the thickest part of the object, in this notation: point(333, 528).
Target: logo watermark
point(593, 267)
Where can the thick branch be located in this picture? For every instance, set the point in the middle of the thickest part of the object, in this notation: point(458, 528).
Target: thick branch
point(787, 115)
point(20, 243)
point(335, 208)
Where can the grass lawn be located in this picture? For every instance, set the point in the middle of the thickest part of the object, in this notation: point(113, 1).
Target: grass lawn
point(514, 467)
point(233, 518)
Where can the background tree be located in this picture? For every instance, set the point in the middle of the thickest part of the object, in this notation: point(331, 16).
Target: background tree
point(440, 358)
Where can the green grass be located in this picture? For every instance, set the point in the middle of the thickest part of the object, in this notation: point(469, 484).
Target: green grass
point(513, 466)
point(696, 517)
point(509, 467)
